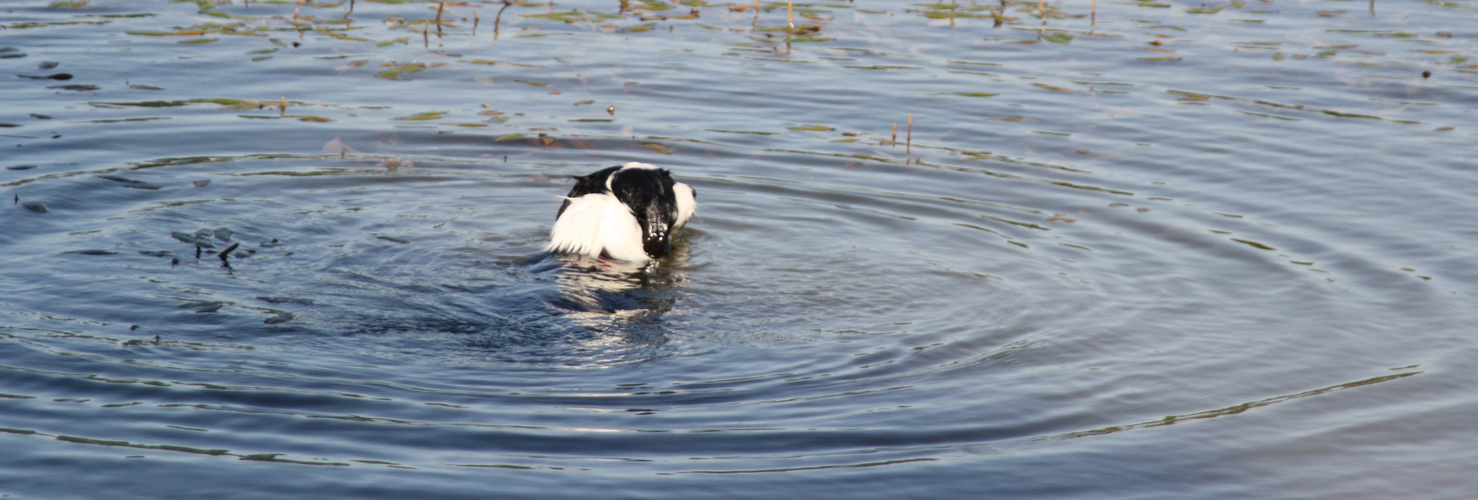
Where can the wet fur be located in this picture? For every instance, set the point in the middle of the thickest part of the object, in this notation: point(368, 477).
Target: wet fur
point(626, 212)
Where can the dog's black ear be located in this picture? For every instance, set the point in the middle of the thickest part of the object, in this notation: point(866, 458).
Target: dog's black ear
point(587, 184)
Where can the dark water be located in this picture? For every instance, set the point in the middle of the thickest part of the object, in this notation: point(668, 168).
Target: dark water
point(1160, 250)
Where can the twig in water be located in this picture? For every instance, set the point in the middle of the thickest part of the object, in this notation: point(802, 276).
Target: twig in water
point(439, 7)
point(895, 133)
point(283, 114)
point(790, 14)
point(910, 132)
point(225, 254)
point(498, 19)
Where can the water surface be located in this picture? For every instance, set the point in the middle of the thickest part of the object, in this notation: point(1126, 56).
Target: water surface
point(1149, 249)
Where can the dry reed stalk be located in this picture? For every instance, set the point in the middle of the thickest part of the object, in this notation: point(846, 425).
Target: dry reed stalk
point(439, 7)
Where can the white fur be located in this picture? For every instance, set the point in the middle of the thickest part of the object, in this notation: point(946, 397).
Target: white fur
point(597, 223)
point(686, 204)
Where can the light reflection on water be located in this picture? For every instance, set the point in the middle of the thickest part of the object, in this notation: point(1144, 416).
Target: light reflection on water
point(1161, 251)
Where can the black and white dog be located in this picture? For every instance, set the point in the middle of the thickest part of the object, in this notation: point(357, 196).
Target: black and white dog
point(625, 213)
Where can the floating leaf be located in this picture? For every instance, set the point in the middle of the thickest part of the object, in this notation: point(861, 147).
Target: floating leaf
point(1254, 244)
point(56, 76)
point(638, 28)
point(1205, 10)
point(509, 137)
point(573, 16)
point(1057, 37)
point(1053, 88)
point(124, 180)
point(92, 251)
point(534, 83)
point(812, 128)
point(287, 300)
point(396, 70)
point(429, 115)
point(657, 148)
point(314, 118)
point(225, 102)
point(76, 87)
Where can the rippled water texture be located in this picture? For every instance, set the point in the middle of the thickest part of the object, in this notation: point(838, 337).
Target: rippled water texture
point(1146, 249)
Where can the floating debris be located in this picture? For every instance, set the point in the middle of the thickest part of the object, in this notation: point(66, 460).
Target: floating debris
point(76, 87)
point(192, 239)
point(92, 251)
point(286, 300)
point(35, 206)
point(57, 76)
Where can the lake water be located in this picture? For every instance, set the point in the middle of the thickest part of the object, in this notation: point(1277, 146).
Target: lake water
point(1146, 249)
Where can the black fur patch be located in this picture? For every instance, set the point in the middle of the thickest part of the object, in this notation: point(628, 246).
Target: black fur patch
point(648, 192)
point(587, 184)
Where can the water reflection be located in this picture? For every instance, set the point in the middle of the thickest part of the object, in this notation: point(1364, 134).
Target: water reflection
point(601, 289)
point(597, 314)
